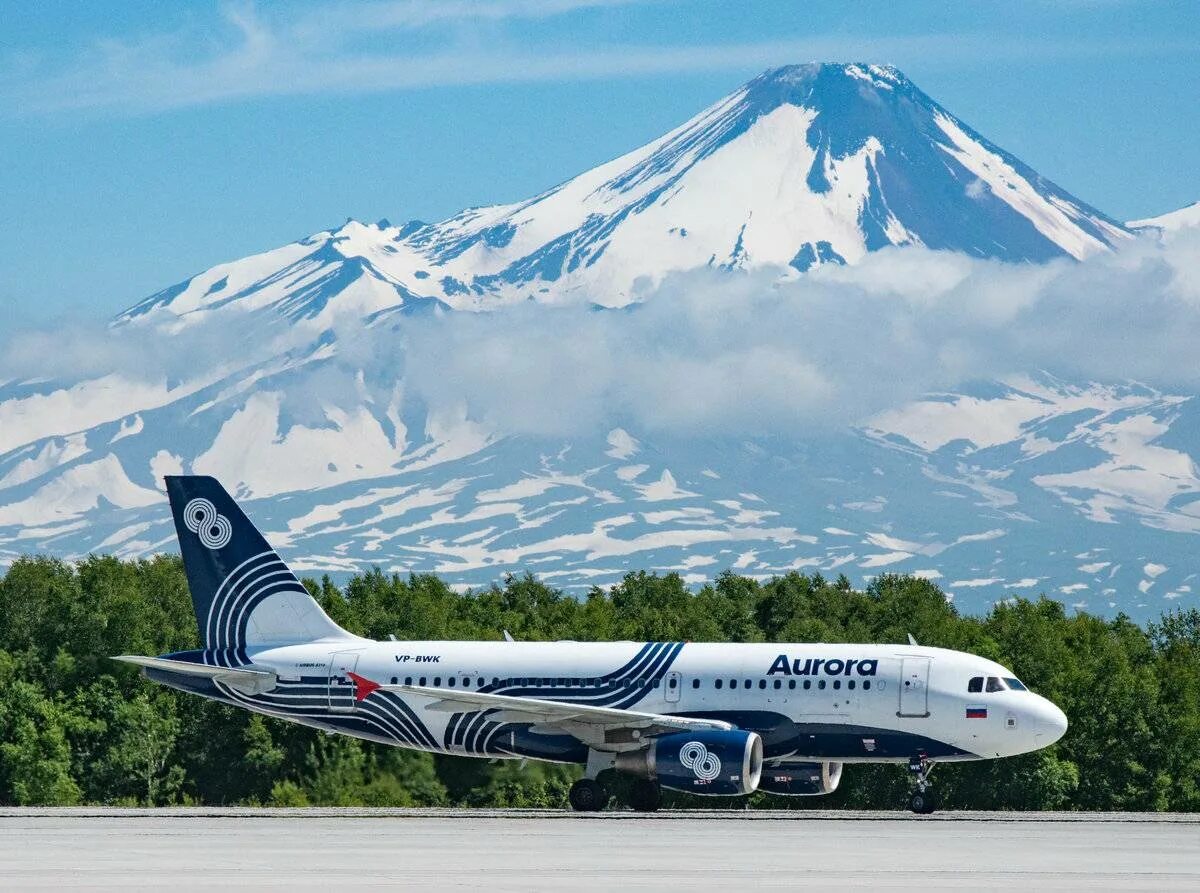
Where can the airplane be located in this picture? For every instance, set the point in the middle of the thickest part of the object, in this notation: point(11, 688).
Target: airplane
point(716, 719)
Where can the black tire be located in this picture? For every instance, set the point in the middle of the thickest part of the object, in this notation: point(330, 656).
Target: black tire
point(922, 803)
point(645, 795)
point(587, 795)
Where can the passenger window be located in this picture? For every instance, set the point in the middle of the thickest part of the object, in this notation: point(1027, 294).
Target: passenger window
point(695, 683)
point(762, 683)
point(437, 681)
point(718, 683)
point(837, 683)
point(866, 684)
point(671, 683)
point(807, 684)
point(393, 680)
point(975, 685)
point(422, 680)
point(733, 683)
point(792, 684)
point(850, 685)
point(408, 680)
point(450, 682)
point(778, 684)
point(747, 684)
point(480, 681)
point(467, 682)
point(994, 684)
point(821, 684)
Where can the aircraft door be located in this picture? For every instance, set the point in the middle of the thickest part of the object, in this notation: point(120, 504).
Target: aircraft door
point(673, 682)
point(341, 686)
point(914, 687)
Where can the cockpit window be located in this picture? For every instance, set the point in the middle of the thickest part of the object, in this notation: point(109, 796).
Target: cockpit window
point(994, 684)
point(976, 684)
point(1015, 684)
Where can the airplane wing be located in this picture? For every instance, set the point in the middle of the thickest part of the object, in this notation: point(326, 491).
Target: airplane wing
point(245, 679)
point(605, 728)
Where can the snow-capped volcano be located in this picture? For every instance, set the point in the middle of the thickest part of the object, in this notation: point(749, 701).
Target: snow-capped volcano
point(802, 166)
point(1035, 484)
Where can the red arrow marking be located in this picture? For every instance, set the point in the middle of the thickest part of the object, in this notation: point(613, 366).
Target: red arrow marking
point(362, 686)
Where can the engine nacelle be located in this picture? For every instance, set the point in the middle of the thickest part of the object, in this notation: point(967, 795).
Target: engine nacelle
point(715, 763)
point(801, 779)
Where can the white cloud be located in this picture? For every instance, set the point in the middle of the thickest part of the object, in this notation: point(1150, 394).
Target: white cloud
point(707, 354)
point(734, 354)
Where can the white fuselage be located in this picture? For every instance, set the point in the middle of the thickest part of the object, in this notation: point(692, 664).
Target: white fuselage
point(851, 703)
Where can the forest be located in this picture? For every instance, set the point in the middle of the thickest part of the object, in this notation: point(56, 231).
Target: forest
point(79, 728)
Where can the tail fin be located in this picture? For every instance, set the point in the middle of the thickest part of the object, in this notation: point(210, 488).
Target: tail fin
point(243, 593)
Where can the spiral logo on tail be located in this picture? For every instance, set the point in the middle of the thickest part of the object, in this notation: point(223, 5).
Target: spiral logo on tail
point(697, 757)
point(201, 518)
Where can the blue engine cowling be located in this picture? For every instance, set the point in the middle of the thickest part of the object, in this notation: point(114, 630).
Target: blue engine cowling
point(713, 763)
point(801, 779)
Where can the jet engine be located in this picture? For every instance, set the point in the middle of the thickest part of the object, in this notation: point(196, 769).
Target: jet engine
point(724, 763)
point(801, 779)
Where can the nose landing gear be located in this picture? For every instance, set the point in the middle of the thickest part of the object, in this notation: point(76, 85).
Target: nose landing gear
point(922, 800)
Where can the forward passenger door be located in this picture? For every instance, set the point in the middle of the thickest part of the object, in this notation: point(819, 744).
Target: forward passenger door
point(914, 687)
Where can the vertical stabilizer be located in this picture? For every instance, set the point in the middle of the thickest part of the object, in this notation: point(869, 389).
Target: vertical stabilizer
point(243, 593)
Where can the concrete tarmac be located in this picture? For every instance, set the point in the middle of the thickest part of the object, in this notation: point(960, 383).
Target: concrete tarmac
point(343, 850)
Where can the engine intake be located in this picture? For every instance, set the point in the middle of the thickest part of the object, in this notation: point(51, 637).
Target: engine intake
point(715, 763)
point(801, 779)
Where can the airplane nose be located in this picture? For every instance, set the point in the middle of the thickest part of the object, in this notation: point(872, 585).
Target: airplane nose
point(1051, 723)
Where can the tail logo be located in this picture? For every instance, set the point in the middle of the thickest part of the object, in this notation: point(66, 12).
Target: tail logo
point(201, 518)
point(700, 760)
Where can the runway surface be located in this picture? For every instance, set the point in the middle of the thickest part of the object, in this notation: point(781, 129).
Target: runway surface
point(339, 850)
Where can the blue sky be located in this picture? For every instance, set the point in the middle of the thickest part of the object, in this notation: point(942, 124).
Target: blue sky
point(145, 141)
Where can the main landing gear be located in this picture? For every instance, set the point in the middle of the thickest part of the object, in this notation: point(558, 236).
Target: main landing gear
point(644, 795)
point(922, 800)
point(587, 795)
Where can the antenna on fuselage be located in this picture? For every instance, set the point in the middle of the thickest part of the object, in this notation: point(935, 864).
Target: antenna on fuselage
point(912, 641)
point(508, 637)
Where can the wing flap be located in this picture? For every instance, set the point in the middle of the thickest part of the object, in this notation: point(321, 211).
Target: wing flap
point(611, 725)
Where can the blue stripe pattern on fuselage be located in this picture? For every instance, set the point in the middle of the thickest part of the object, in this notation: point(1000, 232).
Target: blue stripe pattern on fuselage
point(474, 733)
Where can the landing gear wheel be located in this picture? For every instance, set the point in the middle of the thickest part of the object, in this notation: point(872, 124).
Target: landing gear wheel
point(587, 795)
point(922, 802)
point(644, 795)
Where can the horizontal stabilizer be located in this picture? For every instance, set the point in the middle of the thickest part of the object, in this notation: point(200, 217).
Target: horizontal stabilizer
point(246, 679)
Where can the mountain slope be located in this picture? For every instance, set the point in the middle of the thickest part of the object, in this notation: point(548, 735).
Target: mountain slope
point(804, 165)
point(1189, 215)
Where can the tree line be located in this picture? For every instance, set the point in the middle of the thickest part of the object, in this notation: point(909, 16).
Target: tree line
point(79, 728)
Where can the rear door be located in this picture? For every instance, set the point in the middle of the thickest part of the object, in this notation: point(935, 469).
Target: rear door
point(674, 683)
point(341, 686)
point(914, 687)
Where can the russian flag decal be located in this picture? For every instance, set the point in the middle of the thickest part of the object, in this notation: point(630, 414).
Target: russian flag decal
point(976, 713)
